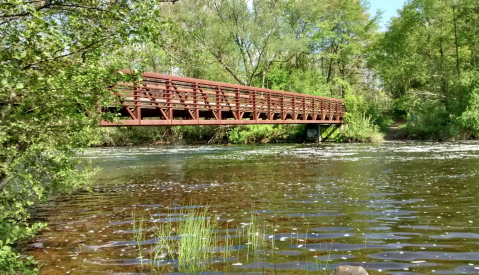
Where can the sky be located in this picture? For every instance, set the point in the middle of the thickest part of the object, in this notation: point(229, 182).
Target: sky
point(389, 7)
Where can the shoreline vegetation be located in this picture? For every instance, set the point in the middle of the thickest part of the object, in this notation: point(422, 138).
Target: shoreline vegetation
point(254, 134)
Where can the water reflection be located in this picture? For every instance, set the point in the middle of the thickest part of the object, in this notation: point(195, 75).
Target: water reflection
point(401, 208)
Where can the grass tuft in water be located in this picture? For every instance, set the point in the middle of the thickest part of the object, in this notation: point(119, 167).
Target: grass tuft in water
point(191, 239)
point(195, 242)
point(138, 232)
point(254, 235)
point(190, 242)
point(323, 269)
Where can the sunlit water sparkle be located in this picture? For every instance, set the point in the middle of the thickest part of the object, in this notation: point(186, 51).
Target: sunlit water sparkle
point(394, 208)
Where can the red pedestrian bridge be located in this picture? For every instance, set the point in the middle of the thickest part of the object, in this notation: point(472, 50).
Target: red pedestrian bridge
point(164, 100)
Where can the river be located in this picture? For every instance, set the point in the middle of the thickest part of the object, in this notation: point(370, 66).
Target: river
point(393, 207)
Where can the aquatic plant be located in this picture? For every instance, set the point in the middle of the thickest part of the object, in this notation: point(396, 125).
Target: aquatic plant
point(195, 241)
point(323, 269)
point(191, 238)
point(254, 234)
point(138, 228)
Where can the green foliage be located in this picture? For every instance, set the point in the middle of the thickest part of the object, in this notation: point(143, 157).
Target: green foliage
point(427, 60)
point(355, 104)
point(10, 233)
point(297, 80)
point(300, 46)
point(469, 119)
point(360, 128)
point(427, 120)
point(363, 120)
point(430, 117)
point(403, 105)
point(264, 133)
point(121, 136)
point(235, 43)
point(54, 79)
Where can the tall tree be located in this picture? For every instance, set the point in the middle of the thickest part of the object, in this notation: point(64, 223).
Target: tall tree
point(53, 81)
point(243, 37)
point(428, 56)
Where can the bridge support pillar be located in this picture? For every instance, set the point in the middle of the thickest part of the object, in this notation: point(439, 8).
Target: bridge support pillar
point(323, 132)
point(313, 132)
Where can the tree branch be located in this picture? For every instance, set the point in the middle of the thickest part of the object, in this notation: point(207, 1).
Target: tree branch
point(65, 55)
point(3, 180)
point(225, 66)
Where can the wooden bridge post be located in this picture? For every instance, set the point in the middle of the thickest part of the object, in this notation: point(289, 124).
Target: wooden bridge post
point(330, 110)
point(268, 101)
point(337, 110)
point(293, 104)
point(305, 117)
point(237, 104)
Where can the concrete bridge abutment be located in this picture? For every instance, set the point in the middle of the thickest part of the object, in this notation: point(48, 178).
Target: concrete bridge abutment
point(323, 132)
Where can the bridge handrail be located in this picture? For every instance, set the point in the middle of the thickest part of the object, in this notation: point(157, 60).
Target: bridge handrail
point(195, 81)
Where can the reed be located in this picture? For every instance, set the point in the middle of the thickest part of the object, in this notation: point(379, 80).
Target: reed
point(226, 248)
point(191, 239)
point(254, 234)
point(195, 241)
point(138, 232)
point(323, 270)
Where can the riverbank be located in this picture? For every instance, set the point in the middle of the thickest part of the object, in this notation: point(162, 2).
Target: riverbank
point(248, 134)
point(359, 128)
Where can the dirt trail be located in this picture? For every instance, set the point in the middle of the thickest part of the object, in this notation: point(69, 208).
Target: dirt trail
point(395, 131)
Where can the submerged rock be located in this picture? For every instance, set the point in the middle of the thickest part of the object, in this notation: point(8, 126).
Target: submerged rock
point(36, 245)
point(350, 270)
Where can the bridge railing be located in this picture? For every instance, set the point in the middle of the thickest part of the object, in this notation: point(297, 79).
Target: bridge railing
point(169, 100)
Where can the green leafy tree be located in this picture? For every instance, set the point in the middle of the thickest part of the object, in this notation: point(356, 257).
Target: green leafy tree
point(53, 78)
point(429, 54)
point(240, 38)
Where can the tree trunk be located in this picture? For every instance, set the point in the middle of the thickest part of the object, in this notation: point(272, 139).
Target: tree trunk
point(329, 70)
point(458, 68)
point(3, 180)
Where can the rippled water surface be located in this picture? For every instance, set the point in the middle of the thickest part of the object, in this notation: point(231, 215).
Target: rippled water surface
point(394, 208)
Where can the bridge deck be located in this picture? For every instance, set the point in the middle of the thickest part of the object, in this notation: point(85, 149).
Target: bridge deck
point(169, 100)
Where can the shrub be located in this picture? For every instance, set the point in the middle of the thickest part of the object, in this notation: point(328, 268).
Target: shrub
point(11, 231)
point(265, 133)
point(360, 128)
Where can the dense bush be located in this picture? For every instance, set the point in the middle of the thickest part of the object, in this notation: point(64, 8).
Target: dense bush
point(121, 136)
point(430, 116)
point(429, 120)
point(362, 120)
point(265, 133)
point(10, 233)
point(360, 128)
point(469, 88)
